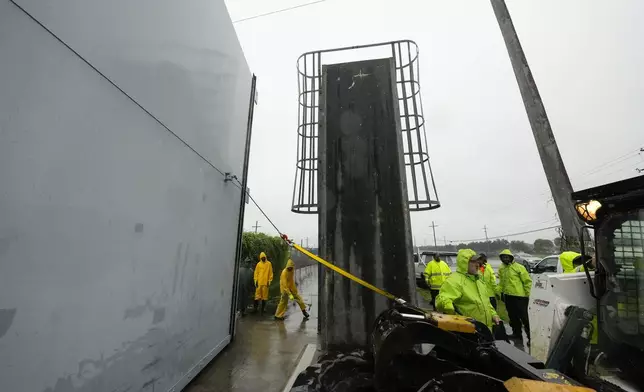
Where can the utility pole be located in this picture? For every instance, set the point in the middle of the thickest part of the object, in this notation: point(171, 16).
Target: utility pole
point(256, 226)
point(307, 242)
point(487, 240)
point(553, 166)
point(433, 226)
point(445, 240)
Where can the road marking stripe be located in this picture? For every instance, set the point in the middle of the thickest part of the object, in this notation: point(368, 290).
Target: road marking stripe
point(305, 360)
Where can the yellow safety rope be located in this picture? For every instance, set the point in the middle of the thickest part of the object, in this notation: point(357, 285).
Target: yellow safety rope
point(319, 259)
point(343, 272)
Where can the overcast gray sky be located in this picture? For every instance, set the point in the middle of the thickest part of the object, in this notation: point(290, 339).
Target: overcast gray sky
point(587, 58)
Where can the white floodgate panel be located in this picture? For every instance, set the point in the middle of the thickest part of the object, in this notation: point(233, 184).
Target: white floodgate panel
point(550, 296)
point(117, 232)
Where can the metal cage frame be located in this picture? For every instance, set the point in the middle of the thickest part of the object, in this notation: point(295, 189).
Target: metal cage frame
point(416, 155)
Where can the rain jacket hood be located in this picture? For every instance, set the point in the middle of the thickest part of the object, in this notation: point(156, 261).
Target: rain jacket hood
point(287, 280)
point(436, 272)
point(506, 252)
point(463, 259)
point(263, 271)
point(566, 259)
point(465, 294)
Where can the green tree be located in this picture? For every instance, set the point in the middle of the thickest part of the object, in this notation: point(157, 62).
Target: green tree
point(276, 250)
point(520, 246)
point(543, 246)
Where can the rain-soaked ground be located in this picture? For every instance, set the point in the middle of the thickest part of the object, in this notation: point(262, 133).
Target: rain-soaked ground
point(265, 352)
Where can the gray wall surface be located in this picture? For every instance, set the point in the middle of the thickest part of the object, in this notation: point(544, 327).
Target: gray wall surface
point(117, 236)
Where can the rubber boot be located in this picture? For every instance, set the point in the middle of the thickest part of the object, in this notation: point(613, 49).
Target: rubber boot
point(263, 307)
point(306, 314)
point(255, 305)
point(515, 338)
point(516, 335)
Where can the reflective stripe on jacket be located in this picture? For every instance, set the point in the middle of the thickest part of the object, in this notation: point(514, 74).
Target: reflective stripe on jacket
point(436, 273)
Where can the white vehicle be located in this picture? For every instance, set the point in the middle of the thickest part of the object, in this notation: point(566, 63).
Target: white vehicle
point(551, 295)
point(549, 264)
point(421, 260)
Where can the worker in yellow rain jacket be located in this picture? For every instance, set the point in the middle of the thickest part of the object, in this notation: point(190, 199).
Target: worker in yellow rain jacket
point(465, 293)
point(572, 262)
point(489, 278)
point(289, 291)
point(436, 273)
point(263, 278)
point(514, 286)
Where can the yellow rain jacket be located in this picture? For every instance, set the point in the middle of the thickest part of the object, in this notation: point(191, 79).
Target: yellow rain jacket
point(514, 278)
point(466, 293)
point(489, 279)
point(289, 291)
point(566, 259)
point(263, 271)
point(436, 273)
point(287, 279)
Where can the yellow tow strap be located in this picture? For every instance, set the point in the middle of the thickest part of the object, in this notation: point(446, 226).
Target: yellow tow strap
point(345, 273)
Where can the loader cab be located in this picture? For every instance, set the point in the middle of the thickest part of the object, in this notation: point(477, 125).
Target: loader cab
point(616, 214)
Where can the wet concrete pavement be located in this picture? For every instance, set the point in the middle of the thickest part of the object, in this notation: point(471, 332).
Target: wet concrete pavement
point(264, 352)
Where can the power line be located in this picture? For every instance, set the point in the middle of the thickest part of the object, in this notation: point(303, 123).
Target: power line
point(278, 11)
point(526, 232)
point(624, 159)
point(256, 205)
point(596, 169)
point(627, 172)
point(522, 226)
point(612, 162)
point(508, 235)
